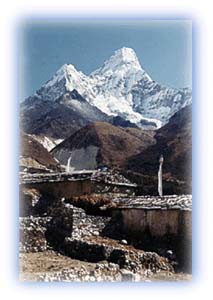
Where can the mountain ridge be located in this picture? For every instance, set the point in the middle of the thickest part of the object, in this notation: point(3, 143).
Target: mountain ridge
point(101, 143)
point(61, 118)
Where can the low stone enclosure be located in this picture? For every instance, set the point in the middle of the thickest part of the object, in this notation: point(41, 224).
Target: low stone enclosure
point(70, 231)
point(138, 234)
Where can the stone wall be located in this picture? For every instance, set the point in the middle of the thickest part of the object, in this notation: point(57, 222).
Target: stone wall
point(158, 222)
point(67, 189)
point(63, 188)
point(40, 233)
point(87, 225)
point(32, 234)
point(69, 230)
point(162, 231)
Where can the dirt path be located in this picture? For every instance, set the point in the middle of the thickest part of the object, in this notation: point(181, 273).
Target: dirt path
point(34, 266)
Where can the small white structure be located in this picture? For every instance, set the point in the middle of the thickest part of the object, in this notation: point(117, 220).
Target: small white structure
point(160, 184)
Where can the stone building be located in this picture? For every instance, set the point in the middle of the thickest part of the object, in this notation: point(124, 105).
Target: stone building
point(157, 222)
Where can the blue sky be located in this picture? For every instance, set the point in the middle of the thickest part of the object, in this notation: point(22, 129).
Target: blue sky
point(164, 48)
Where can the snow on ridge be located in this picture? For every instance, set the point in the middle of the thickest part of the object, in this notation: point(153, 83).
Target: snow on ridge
point(66, 79)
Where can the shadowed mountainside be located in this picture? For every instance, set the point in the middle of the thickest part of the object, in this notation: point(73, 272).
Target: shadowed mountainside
point(174, 141)
point(113, 144)
point(61, 118)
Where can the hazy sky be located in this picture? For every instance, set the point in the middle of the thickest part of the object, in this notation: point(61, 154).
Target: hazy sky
point(164, 48)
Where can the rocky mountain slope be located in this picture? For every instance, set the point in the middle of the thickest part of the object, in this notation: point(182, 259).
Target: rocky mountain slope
point(61, 118)
point(120, 88)
point(174, 141)
point(102, 144)
point(135, 152)
point(34, 156)
point(58, 119)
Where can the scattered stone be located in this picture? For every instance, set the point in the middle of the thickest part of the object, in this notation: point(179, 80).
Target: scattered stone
point(127, 275)
point(33, 234)
point(95, 233)
point(124, 242)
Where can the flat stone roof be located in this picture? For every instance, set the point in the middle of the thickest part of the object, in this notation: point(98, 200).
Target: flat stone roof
point(54, 177)
point(93, 175)
point(182, 202)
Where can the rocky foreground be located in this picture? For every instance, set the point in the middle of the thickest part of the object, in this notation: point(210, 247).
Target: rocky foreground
point(51, 266)
point(64, 243)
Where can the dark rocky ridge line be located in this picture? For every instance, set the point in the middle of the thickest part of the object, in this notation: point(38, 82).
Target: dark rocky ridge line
point(61, 118)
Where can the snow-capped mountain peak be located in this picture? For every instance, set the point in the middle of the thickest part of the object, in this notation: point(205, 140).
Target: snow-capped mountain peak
point(127, 54)
point(121, 57)
point(114, 81)
point(66, 79)
point(68, 74)
point(121, 87)
point(124, 57)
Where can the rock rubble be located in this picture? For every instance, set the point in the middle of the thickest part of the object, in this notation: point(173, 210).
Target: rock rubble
point(32, 234)
point(74, 233)
point(87, 225)
point(111, 176)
